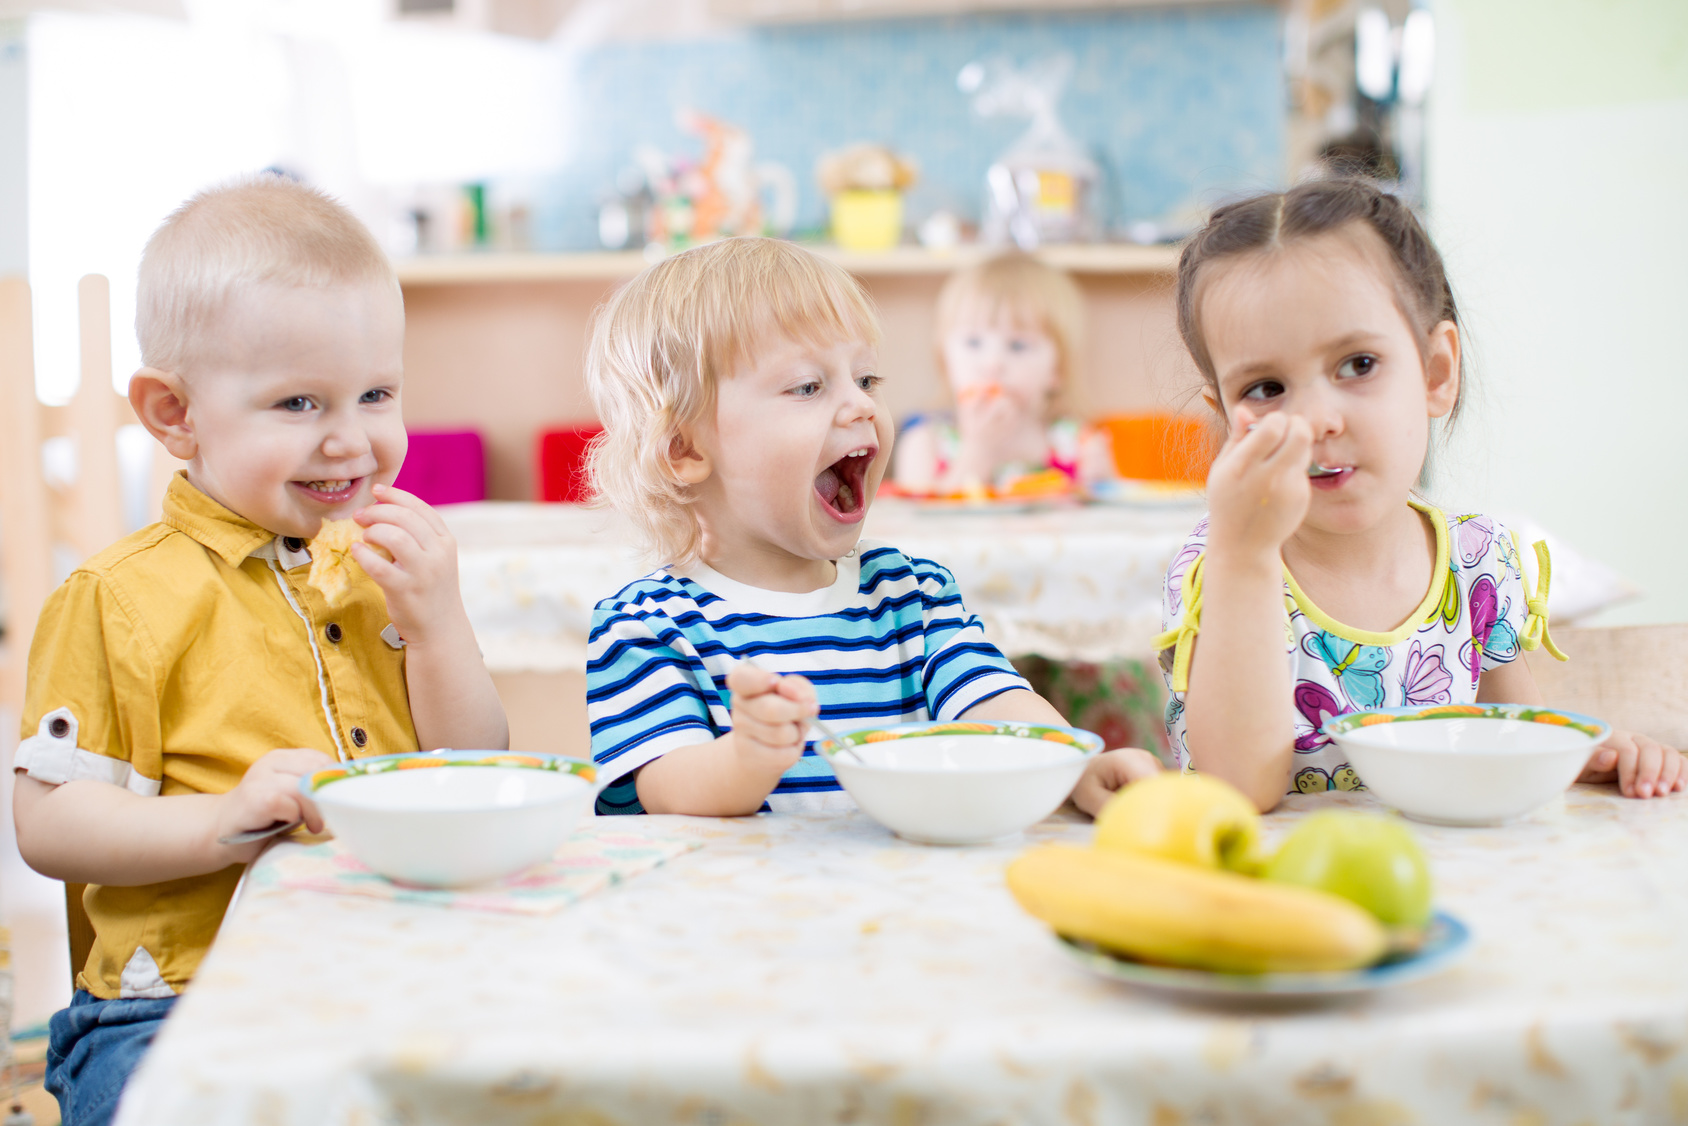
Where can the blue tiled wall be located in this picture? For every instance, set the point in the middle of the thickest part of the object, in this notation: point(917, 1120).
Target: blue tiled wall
point(1177, 105)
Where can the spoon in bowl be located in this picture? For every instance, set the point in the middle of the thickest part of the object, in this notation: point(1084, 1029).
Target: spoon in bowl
point(840, 747)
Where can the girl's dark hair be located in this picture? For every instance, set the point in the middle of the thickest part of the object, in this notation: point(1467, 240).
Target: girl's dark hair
point(1267, 222)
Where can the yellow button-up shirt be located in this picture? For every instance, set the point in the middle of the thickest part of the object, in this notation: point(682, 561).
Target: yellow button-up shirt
point(171, 662)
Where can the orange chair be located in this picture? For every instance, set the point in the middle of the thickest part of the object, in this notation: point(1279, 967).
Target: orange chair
point(1160, 447)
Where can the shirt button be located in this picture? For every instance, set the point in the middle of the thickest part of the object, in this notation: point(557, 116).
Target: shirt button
point(334, 632)
point(293, 543)
point(359, 736)
point(59, 727)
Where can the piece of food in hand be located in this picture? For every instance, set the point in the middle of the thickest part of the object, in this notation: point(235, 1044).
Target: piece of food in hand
point(1190, 818)
point(332, 564)
point(1204, 918)
point(1370, 860)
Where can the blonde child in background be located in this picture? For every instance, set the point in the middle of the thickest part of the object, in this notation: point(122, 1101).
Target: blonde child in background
point(1327, 336)
point(745, 435)
point(1008, 333)
point(168, 669)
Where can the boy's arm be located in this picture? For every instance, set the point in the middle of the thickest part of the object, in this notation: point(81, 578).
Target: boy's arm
point(733, 775)
point(1017, 705)
point(452, 699)
point(89, 832)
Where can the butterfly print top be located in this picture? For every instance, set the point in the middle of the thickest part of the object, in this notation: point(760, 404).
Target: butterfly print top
point(1478, 613)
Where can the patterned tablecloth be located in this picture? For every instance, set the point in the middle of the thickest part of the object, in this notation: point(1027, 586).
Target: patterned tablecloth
point(1069, 584)
point(814, 969)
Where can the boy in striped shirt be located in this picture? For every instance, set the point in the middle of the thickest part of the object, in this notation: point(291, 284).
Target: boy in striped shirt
point(745, 434)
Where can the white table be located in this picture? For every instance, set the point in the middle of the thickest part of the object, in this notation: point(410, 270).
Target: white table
point(1070, 584)
point(815, 969)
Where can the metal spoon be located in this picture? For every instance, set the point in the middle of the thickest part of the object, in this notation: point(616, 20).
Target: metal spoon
point(274, 829)
point(837, 740)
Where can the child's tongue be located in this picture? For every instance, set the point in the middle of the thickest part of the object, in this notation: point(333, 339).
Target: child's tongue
point(828, 484)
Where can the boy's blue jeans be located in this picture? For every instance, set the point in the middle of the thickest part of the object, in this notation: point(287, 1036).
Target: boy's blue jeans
point(92, 1049)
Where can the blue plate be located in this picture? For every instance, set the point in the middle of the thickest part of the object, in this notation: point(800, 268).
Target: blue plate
point(1447, 942)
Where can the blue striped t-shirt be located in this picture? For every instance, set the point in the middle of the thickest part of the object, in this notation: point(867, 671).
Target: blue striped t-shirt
point(888, 642)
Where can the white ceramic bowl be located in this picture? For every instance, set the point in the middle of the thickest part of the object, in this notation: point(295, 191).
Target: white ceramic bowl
point(452, 818)
point(1467, 764)
point(960, 783)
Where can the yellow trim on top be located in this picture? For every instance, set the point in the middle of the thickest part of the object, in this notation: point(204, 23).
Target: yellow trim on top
point(1415, 621)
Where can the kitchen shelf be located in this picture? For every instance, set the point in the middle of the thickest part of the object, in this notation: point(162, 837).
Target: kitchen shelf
point(492, 267)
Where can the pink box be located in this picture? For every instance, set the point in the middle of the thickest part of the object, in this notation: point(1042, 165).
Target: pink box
point(445, 466)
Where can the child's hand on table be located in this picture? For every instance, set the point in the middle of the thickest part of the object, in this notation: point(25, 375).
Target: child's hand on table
point(420, 581)
point(267, 793)
point(1111, 771)
point(771, 716)
point(1642, 767)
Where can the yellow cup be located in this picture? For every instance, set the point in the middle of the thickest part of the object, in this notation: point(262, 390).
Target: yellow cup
point(867, 220)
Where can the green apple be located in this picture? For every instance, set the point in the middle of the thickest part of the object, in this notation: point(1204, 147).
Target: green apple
point(1373, 861)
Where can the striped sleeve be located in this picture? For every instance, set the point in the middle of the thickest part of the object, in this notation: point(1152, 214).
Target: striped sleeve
point(963, 668)
point(644, 695)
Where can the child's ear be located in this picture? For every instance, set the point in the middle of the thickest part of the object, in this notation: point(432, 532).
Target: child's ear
point(1441, 369)
point(690, 465)
point(160, 400)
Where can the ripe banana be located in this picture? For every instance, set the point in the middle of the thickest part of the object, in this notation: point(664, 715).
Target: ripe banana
point(1179, 914)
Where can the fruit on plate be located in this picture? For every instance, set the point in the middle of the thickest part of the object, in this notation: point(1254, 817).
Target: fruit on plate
point(1373, 861)
point(1190, 818)
point(1164, 911)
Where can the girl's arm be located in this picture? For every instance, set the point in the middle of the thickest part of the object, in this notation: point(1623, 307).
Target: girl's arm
point(1238, 709)
point(452, 699)
point(1642, 767)
point(733, 775)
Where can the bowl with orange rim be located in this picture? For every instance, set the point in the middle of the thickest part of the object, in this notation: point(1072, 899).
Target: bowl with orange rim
point(960, 782)
point(453, 818)
point(1467, 764)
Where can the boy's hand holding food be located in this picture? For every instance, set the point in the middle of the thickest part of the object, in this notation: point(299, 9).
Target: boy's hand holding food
point(1257, 490)
point(406, 548)
point(410, 553)
point(1110, 772)
point(266, 794)
point(771, 716)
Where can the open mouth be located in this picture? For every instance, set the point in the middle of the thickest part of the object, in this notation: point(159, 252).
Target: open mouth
point(330, 492)
point(843, 484)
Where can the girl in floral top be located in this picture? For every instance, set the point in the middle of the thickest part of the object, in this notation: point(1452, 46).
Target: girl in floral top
point(1327, 338)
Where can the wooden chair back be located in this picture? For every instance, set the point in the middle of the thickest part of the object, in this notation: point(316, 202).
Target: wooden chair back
point(1633, 677)
point(39, 520)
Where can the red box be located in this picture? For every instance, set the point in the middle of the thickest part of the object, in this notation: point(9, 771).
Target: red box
point(562, 462)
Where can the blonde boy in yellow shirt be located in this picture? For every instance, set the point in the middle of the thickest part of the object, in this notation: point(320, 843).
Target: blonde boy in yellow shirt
point(169, 668)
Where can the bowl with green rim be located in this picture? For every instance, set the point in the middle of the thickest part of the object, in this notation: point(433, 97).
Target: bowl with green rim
point(1467, 764)
point(961, 782)
point(453, 818)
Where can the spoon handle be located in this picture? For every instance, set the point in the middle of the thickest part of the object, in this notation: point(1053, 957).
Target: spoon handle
point(272, 830)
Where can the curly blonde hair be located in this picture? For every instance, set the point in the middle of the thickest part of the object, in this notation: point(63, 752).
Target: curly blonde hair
point(662, 343)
